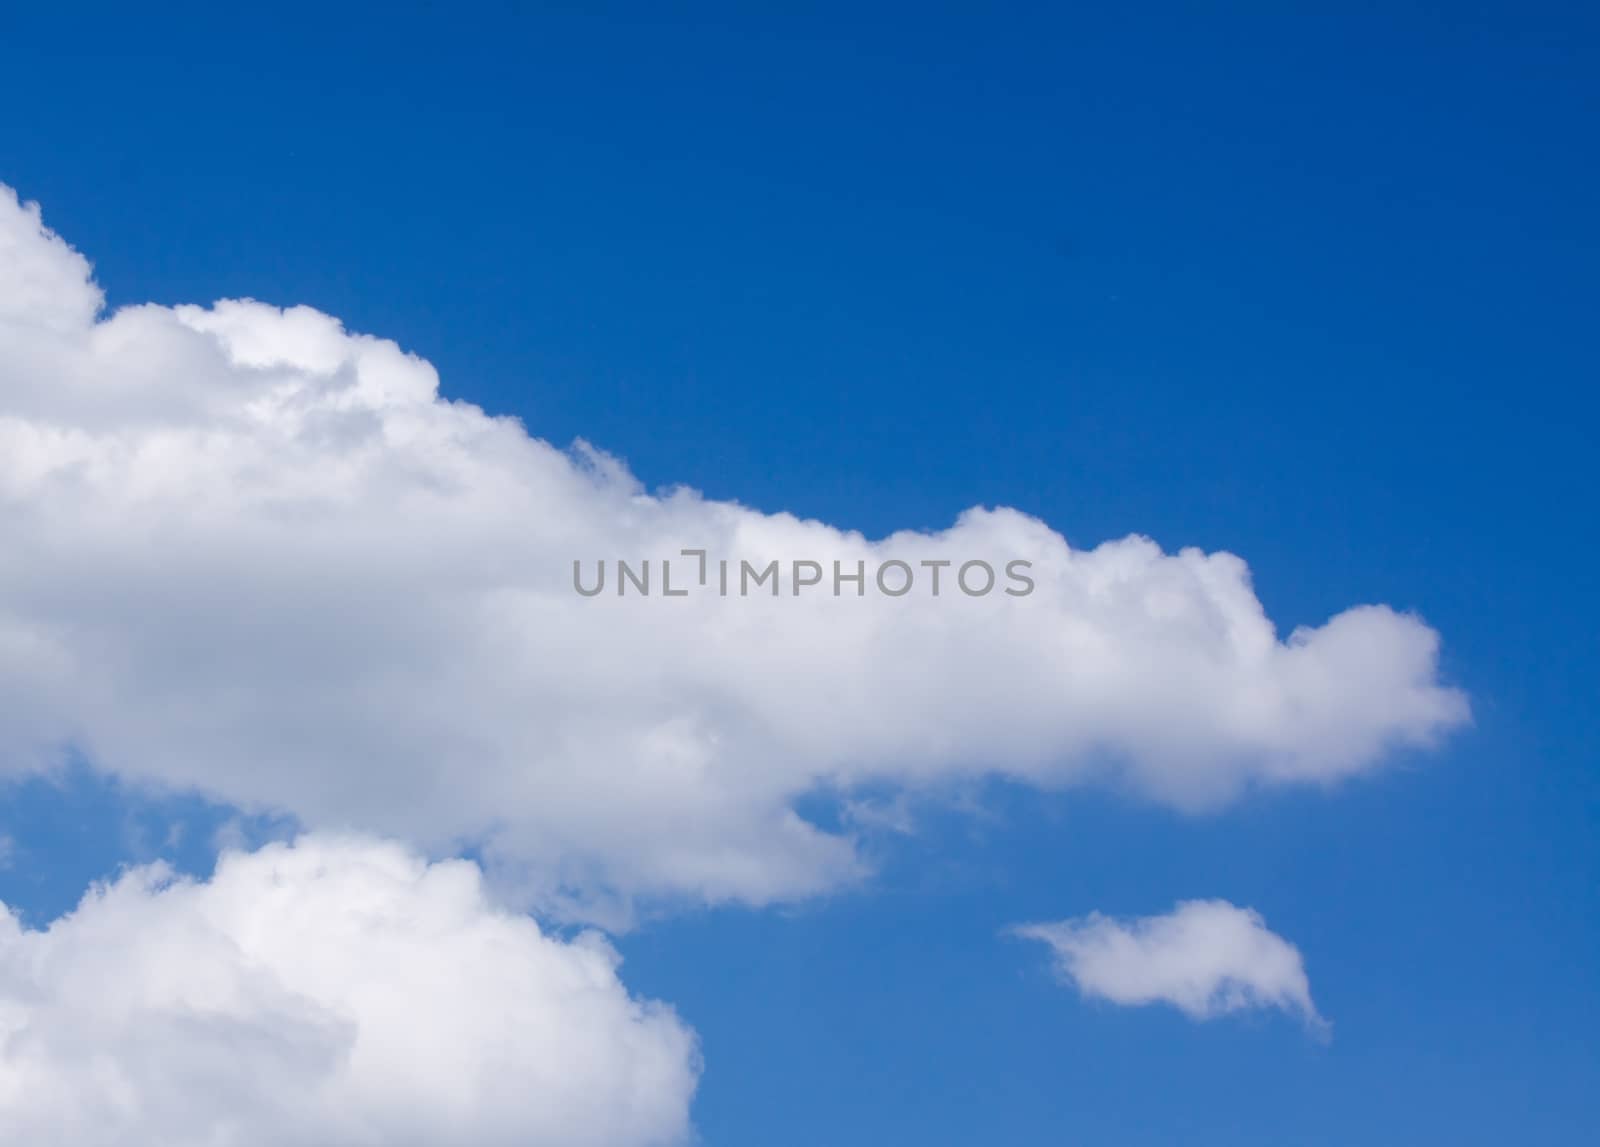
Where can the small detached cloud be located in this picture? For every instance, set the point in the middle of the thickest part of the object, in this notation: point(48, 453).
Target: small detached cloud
point(1207, 958)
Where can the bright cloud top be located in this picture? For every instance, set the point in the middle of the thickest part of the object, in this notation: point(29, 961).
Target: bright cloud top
point(1207, 958)
point(336, 993)
point(250, 553)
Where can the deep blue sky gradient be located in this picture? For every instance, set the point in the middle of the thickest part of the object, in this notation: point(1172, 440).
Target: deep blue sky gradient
point(1314, 284)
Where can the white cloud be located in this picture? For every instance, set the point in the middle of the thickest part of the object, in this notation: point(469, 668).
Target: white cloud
point(334, 993)
point(253, 554)
point(1206, 957)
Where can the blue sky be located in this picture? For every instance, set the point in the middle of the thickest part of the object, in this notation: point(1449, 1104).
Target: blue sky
point(1316, 288)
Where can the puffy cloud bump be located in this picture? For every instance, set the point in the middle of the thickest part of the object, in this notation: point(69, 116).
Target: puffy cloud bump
point(253, 554)
point(339, 992)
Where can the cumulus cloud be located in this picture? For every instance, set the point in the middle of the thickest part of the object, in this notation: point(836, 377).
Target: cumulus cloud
point(1206, 958)
point(251, 553)
point(339, 992)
